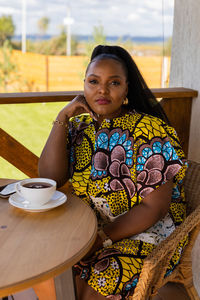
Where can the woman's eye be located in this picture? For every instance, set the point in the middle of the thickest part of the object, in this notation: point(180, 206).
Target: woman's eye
point(115, 82)
point(93, 81)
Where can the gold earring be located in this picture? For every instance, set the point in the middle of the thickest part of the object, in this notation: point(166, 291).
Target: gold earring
point(125, 102)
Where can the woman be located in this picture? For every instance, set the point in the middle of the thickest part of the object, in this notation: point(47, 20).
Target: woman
point(126, 162)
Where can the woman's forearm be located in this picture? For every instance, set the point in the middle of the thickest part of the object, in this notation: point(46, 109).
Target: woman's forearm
point(141, 217)
point(135, 221)
point(53, 162)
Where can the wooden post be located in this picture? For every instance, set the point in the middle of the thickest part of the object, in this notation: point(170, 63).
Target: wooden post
point(18, 155)
point(178, 111)
point(47, 72)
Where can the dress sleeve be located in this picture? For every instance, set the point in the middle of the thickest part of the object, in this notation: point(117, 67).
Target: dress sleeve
point(77, 125)
point(159, 159)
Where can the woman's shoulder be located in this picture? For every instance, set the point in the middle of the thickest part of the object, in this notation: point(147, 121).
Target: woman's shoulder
point(139, 123)
point(153, 124)
point(140, 116)
point(148, 127)
point(149, 119)
point(80, 119)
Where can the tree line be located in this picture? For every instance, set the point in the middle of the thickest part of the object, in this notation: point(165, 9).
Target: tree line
point(57, 44)
point(54, 46)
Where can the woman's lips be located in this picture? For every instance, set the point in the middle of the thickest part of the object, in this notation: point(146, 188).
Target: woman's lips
point(103, 101)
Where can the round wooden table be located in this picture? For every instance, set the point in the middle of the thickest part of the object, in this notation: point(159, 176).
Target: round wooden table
point(37, 246)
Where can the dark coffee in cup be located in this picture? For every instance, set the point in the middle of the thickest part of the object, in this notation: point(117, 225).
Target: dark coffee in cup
point(37, 185)
point(36, 191)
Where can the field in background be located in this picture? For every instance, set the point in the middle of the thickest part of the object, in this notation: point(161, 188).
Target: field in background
point(60, 73)
point(30, 124)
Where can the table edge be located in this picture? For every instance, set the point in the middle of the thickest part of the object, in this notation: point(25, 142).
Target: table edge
point(19, 286)
point(8, 290)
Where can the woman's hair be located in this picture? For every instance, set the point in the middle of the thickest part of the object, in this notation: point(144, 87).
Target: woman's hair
point(139, 95)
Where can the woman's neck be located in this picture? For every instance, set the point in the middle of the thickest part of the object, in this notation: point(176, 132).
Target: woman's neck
point(100, 118)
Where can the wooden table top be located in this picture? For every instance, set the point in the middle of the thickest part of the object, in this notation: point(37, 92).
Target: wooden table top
point(37, 246)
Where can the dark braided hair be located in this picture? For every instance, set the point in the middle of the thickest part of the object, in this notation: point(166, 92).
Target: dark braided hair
point(139, 95)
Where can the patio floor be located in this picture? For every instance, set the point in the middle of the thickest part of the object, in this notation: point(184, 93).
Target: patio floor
point(171, 291)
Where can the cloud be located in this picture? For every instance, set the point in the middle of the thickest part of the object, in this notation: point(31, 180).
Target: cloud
point(7, 10)
point(133, 17)
point(118, 17)
point(115, 8)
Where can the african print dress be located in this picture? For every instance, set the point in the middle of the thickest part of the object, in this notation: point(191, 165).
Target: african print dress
point(112, 170)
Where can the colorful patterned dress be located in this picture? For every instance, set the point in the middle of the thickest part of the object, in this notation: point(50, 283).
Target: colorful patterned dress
point(112, 170)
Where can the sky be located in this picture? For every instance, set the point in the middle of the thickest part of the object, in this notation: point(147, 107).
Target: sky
point(118, 17)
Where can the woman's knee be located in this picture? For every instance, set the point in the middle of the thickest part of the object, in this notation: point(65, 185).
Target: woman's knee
point(85, 292)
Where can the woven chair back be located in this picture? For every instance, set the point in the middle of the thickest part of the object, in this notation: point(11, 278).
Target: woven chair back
point(192, 186)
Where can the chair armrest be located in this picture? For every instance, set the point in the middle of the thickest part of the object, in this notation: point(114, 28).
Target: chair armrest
point(156, 263)
point(168, 246)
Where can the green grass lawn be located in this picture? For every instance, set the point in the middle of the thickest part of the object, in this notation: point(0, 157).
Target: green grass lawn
point(30, 124)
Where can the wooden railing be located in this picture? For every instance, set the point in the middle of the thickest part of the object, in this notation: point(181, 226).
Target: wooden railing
point(177, 103)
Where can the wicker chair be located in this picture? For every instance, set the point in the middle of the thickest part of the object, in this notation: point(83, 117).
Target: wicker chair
point(155, 265)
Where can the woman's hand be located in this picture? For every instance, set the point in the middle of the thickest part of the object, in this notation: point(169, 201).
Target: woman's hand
point(76, 107)
point(53, 162)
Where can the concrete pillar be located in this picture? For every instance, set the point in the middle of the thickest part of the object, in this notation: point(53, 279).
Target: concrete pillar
point(185, 72)
point(185, 62)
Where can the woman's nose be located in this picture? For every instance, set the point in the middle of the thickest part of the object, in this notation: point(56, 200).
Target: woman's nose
point(103, 88)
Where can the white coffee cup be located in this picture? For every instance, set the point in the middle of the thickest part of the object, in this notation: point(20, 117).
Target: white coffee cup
point(36, 191)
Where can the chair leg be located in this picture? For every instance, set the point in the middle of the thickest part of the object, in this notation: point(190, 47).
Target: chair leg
point(187, 280)
point(65, 286)
point(192, 292)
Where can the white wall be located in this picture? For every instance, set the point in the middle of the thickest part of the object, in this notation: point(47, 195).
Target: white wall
point(185, 72)
point(185, 62)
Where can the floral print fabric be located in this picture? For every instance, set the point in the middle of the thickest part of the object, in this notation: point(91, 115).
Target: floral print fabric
point(112, 170)
point(113, 156)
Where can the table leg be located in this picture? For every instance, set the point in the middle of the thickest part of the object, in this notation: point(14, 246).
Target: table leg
point(65, 286)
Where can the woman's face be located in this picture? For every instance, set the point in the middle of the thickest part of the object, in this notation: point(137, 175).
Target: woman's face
point(105, 87)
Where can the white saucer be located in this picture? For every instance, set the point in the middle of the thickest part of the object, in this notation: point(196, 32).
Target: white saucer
point(57, 199)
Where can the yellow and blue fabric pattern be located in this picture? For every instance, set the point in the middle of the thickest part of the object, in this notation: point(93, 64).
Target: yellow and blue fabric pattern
point(112, 170)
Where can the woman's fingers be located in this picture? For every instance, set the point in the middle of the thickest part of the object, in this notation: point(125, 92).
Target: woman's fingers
point(83, 103)
point(93, 115)
point(77, 106)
